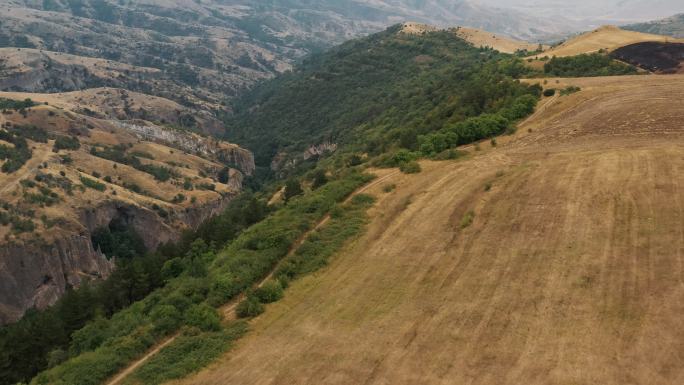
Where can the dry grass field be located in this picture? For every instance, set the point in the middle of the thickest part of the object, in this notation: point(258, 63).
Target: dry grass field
point(480, 38)
point(476, 37)
point(553, 258)
point(607, 38)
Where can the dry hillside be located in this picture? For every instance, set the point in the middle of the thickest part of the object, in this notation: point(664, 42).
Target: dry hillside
point(607, 38)
point(553, 258)
point(477, 38)
point(77, 164)
point(480, 38)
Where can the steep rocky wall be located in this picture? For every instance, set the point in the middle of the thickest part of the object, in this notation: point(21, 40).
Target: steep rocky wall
point(37, 275)
point(241, 158)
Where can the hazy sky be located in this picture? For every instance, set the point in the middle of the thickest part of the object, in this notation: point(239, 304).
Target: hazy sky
point(595, 9)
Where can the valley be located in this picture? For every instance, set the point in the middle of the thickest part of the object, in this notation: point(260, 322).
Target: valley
point(85, 169)
point(287, 192)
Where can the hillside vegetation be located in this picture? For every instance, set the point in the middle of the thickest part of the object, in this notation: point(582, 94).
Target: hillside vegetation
point(376, 95)
point(550, 258)
point(418, 89)
point(671, 26)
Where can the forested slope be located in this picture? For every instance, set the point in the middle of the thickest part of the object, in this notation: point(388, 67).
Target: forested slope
point(375, 94)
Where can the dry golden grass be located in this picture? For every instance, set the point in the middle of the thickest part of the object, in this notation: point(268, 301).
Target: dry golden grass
point(570, 273)
point(480, 38)
point(61, 117)
point(607, 38)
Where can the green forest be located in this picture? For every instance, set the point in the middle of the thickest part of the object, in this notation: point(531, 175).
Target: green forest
point(376, 95)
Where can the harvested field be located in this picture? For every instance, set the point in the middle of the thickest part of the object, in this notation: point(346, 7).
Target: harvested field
point(571, 271)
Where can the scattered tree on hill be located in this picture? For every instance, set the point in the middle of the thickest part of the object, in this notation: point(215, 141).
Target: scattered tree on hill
point(292, 189)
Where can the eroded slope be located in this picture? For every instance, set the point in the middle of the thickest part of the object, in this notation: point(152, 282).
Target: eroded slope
point(68, 170)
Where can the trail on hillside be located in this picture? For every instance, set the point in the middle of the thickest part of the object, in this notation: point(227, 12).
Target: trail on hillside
point(228, 310)
point(569, 271)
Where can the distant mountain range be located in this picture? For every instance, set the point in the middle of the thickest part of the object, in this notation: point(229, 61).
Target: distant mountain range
point(671, 26)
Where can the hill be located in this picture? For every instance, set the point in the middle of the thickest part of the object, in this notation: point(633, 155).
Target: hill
point(671, 26)
point(480, 38)
point(386, 99)
point(550, 258)
point(75, 162)
point(607, 38)
point(372, 95)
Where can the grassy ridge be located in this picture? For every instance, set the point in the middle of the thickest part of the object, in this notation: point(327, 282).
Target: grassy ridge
point(105, 346)
point(192, 352)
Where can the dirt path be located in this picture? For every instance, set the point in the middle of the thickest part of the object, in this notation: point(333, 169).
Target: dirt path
point(10, 181)
point(228, 310)
point(130, 369)
point(570, 273)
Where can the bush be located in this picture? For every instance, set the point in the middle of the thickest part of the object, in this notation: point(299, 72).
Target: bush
point(66, 143)
point(250, 307)
point(467, 219)
point(570, 90)
point(292, 189)
point(319, 179)
point(165, 318)
point(269, 292)
point(410, 167)
point(203, 317)
point(549, 92)
point(389, 187)
point(93, 184)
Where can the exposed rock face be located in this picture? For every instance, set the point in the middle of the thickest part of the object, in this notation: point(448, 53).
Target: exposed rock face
point(37, 276)
point(285, 161)
point(242, 159)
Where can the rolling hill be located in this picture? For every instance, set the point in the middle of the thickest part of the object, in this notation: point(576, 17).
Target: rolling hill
point(607, 38)
point(550, 258)
point(502, 242)
point(75, 162)
point(672, 26)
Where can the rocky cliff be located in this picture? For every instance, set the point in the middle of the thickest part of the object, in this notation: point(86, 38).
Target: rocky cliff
point(35, 275)
point(240, 158)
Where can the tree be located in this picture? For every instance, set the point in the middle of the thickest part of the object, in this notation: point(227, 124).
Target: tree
point(292, 189)
point(224, 175)
point(319, 179)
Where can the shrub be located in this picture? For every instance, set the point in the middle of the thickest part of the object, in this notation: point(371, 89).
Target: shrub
point(292, 189)
point(467, 219)
point(93, 184)
point(165, 318)
point(319, 179)
point(570, 90)
point(250, 307)
point(224, 175)
point(269, 292)
point(549, 92)
point(389, 187)
point(410, 167)
point(66, 143)
point(204, 317)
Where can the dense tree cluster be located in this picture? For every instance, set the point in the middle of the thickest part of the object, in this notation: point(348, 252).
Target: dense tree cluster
point(595, 64)
point(376, 93)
